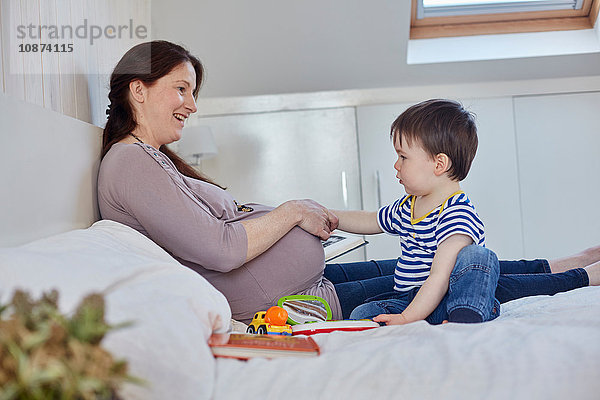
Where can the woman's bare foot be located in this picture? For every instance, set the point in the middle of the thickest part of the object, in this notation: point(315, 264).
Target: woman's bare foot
point(593, 272)
point(580, 260)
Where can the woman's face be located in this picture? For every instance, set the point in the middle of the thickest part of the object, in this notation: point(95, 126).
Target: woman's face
point(167, 104)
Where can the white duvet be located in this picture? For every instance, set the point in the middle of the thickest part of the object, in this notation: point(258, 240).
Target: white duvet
point(543, 347)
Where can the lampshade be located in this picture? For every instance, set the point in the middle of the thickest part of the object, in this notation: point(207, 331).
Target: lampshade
point(197, 143)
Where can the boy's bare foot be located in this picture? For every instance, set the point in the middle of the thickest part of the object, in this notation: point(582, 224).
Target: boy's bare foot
point(593, 272)
point(579, 260)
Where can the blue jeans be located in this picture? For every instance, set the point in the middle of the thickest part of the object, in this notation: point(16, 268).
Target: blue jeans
point(361, 282)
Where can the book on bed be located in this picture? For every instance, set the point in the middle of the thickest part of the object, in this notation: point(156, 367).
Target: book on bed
point(244, 346)
point(345, 325)
point(340, 243)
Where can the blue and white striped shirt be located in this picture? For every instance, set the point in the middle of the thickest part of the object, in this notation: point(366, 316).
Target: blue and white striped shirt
point(419, 239)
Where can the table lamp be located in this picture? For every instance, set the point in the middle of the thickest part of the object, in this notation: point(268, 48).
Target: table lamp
point(197, 143)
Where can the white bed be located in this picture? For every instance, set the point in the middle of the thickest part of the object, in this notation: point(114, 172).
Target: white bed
point(540, 347)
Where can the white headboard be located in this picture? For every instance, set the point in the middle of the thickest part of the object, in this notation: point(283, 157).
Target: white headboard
point(48, 172)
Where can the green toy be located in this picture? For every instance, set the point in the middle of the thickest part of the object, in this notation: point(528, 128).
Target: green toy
point(304, 309)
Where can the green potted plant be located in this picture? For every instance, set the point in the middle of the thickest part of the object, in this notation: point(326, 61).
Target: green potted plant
point(47, 355)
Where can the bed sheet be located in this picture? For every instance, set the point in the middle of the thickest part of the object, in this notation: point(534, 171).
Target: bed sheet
point(542, 347)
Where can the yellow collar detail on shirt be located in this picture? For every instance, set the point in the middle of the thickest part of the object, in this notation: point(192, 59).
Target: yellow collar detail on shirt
point(441, 206)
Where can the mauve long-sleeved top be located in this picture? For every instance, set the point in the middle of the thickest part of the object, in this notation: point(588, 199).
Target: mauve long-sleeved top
point(199, 224)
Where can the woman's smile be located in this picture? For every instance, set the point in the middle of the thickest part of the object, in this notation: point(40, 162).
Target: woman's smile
point(180, 118)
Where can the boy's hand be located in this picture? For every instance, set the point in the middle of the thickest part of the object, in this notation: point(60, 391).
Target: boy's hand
point(333, 220)
point(391, 319)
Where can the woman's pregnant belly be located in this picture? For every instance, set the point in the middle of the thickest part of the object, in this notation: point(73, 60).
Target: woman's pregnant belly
point(293, 264)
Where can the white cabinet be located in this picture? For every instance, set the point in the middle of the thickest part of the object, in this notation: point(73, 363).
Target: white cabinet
point(272, 157)
point(558, 141)
point(492, 183)
point(377, 158)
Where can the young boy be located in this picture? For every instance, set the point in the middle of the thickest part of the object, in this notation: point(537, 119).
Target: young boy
point(436, 142)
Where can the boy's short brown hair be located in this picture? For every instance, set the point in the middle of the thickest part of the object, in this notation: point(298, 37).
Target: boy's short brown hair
point(440, 126)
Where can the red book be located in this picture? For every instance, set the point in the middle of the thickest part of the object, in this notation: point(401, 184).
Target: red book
point(243, 346)
point(312, 328)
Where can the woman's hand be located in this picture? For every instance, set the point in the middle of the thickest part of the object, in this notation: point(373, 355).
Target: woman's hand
point(391, 319)
point(264, 231)
point(315, 219)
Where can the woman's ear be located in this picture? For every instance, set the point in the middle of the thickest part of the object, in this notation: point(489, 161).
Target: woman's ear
point(442, 164)
point(137, 90)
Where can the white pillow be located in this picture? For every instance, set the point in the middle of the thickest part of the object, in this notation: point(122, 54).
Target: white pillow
point(174, 309)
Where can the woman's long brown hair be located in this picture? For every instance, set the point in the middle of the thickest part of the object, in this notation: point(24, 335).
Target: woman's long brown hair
point(147, 62)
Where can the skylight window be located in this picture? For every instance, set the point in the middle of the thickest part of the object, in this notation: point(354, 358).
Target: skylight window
point(441, 18)
point(442, 8)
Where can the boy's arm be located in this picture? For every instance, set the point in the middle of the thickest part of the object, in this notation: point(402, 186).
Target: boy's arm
point(361, 222)
point(436, 285)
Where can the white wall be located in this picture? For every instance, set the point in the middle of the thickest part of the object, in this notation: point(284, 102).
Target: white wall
point(272, 47)
point(72, 83)
point(249, 48)
point(515, 212)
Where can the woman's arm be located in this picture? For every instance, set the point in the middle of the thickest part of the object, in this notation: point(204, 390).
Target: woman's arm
point(265, 231)
point(361, 222)
point(135, 186)
point(435, 287)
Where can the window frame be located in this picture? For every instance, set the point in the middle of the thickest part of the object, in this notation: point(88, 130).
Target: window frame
point(500, 23)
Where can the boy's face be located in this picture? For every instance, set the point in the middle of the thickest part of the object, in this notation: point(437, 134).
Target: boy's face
point(415, 167)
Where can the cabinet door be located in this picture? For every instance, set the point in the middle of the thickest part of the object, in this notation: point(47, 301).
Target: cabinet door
point(492, 183)
point(378, 176)
point(559, 160)
point(269, 158)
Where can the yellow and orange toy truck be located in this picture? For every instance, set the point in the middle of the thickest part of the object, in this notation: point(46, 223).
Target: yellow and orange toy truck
point(270, 322)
